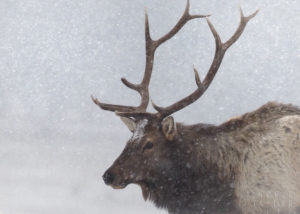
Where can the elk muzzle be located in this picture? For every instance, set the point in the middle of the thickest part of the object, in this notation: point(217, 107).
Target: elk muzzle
point(108, 177)
point(114, 180)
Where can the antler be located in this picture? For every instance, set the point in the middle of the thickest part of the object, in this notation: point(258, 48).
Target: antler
point(220, 51)
point(151, 46)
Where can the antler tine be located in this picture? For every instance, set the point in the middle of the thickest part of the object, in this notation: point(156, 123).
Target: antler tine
point(182, 21)
point(143, 87)
point(219, 54)
point(197, 78)
point(111, 107)
point(243, 22)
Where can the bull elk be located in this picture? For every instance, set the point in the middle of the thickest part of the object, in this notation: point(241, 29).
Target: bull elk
point(247, 165)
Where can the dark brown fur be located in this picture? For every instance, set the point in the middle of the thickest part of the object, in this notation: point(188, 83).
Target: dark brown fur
point(200, 170)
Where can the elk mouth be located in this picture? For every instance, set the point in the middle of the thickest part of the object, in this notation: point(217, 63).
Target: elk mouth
point(119, 186)
point(124, 184)
point(119, 183)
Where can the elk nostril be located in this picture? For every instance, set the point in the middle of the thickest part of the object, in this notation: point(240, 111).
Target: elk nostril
point(108, 178)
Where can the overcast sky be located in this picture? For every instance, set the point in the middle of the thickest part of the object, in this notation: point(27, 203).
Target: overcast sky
point(55, 143)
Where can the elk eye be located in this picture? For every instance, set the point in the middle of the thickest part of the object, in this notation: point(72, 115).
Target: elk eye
point(148, 145)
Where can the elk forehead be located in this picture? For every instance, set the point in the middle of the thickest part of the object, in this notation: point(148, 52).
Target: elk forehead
point(139, 131)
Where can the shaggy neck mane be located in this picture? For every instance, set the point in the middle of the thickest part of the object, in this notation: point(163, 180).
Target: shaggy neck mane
point(205, 163)
point(195, 185)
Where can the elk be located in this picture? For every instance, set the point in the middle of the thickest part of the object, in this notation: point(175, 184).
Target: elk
point(247, 165)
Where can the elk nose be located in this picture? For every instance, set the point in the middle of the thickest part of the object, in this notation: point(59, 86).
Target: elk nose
point(108, 178)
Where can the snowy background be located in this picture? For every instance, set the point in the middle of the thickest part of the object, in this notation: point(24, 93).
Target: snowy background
point(55, 144)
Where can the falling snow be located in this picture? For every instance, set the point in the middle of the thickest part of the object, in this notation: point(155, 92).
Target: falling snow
point(55, 144)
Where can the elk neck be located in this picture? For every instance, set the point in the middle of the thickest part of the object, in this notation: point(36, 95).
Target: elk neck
point(203, 172)
point(208, 150)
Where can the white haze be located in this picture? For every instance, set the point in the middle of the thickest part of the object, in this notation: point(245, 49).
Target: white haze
point(55, 144)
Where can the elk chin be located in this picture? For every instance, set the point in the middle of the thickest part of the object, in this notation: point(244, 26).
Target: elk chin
point(121, 185)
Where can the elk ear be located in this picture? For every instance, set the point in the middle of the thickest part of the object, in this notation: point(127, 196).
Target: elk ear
point(169, 128)
point(129, 123)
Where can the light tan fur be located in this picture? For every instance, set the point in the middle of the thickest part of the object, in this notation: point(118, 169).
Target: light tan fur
point(269, 179)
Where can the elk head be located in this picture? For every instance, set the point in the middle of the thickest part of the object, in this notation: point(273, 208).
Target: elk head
point(149, 151)
point(146, 155)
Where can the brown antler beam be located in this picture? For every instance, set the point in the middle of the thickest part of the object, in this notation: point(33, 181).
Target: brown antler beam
point(151, 46)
